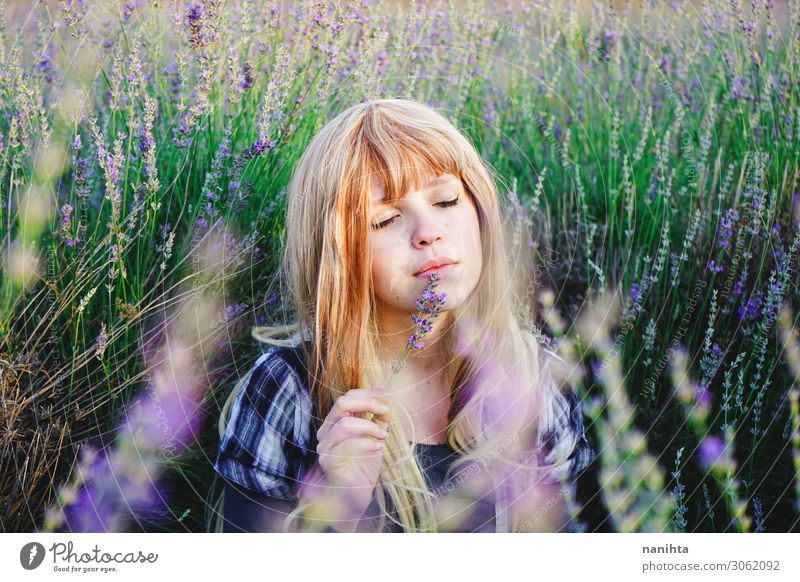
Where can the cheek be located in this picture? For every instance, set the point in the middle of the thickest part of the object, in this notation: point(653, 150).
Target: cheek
point(387, 265)
point(472, 231)
point(473, 236)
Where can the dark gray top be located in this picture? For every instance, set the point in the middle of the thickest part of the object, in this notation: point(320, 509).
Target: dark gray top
point(270, 443)
point(250, 511)
point(435, 461)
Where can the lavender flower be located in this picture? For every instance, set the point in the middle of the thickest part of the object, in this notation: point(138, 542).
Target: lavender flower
point(234, 311)
point(130, 8)
point(147, 145)
point(431, 304)
point(679, 495)
point(195, 16)
point(712, 451)
point(725, 231)
point(65, 227)
point(114, 485)
point(758, 510)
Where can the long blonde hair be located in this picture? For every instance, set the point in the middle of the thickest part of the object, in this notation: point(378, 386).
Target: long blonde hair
point(327, 264)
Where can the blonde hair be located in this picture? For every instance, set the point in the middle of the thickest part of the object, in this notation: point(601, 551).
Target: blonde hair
point(327, 264)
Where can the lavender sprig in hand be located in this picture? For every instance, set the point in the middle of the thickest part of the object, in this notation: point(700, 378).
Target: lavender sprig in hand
point(429, 305)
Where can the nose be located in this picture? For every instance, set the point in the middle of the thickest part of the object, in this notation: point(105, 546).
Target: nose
point(428, 230)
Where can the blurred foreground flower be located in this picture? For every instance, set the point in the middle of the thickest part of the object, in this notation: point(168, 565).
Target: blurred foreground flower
point(116, 485)
point(630, 478)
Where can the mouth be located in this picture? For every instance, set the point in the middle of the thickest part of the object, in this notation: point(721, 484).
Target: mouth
point(441, 270)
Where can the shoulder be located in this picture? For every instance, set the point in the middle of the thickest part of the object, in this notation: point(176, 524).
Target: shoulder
point(275, 386)
point(563, 435)
point(268, 438)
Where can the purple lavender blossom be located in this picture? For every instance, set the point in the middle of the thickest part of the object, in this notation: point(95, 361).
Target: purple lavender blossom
point(635, 294)
point(260, 146)
point(703, 399)
point(431, 304)
point(751, 309)
point(112, 492)
point(726, 228)
point(130, 8)
point(247, 82)
point(234, 311)
point(712, 450)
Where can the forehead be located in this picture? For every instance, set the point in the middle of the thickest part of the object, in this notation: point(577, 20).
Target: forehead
point(378, 193)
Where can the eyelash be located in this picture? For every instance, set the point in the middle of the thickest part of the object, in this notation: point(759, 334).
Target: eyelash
point(445, 204)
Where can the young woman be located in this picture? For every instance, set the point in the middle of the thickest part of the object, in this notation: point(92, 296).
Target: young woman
point(474, 432)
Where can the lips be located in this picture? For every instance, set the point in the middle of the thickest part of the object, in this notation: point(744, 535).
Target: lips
point(434, 263)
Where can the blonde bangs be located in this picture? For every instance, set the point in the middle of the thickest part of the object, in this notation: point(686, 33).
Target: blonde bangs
point(401, 152)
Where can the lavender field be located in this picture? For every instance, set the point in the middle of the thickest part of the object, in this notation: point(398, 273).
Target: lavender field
point(145, 148)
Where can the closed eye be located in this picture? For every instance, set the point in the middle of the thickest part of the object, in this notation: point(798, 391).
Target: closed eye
point(445, 204)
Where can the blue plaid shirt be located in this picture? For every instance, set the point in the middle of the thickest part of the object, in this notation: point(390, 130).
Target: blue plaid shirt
point(269, 443)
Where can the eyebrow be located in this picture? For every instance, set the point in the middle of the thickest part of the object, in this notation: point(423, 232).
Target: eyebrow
point(435, 182)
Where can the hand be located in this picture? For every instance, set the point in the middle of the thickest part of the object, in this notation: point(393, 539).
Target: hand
point(350, 450)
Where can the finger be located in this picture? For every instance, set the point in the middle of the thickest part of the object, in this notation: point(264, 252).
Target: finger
point(357, 448)
point(356, 401)
point(351, 427)
point(353, 449)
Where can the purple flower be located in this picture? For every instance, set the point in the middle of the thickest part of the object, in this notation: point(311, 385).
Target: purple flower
point(712, 450)
point(66, 210)
point(703, 399)
point(130, 8)
point(234, 311)
point(383, 63)
point(751, 309)
point(557, 131)
point(431, 304)
point(415, 344)
point(114, 490)
point(726, 228)
point(260, 146)
point(597, 367)
point(635, 295)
